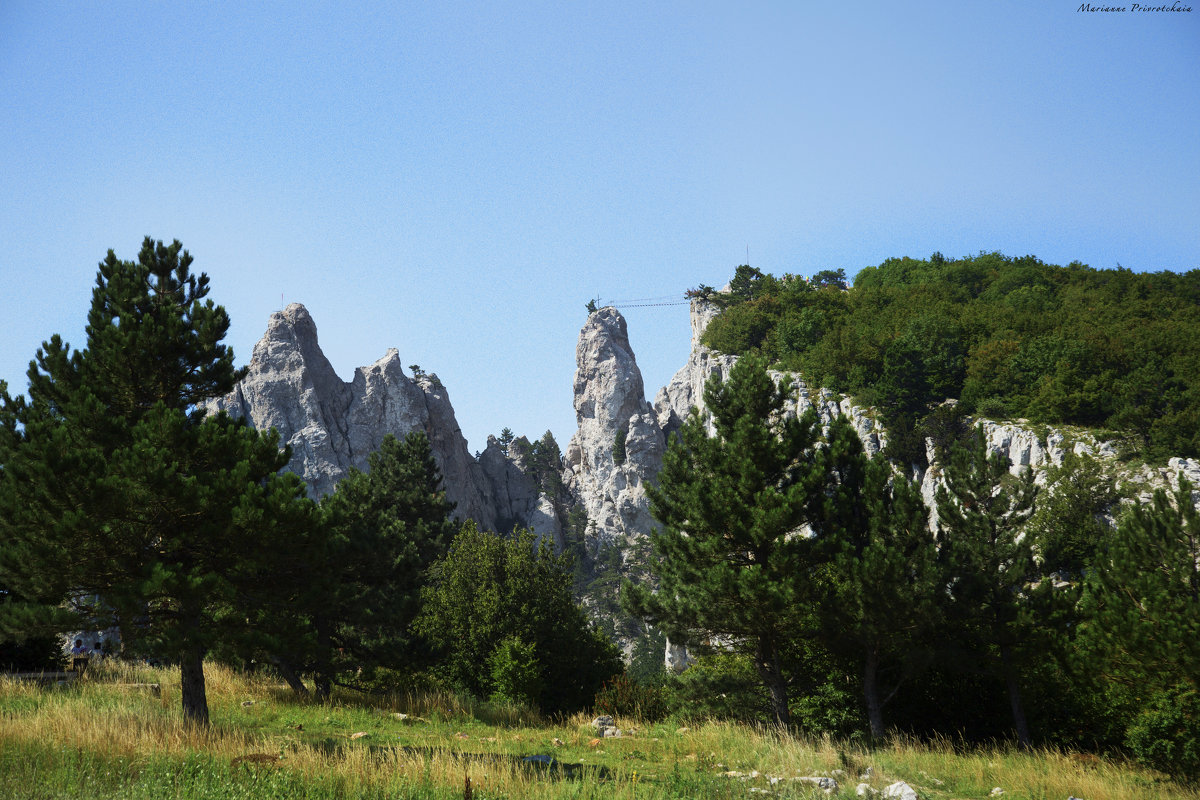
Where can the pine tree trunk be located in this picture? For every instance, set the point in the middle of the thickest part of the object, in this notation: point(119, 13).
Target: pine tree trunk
point(323, 680)
point(289, 675)
point(195, 700)
point(767, 661)
point(871, 692)
point(1014, 698)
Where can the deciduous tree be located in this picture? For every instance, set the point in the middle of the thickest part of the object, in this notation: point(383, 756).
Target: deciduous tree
point(501, 613)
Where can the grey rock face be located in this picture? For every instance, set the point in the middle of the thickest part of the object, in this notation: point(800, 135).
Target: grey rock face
point(332, 425)
point(512, 493)
point(685, 391)
point(610, 401)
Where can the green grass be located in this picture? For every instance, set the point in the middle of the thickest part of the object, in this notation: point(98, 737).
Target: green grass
point(100, 740)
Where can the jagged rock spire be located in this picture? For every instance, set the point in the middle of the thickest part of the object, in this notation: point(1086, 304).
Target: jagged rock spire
point(613, 414)
point(332, 425)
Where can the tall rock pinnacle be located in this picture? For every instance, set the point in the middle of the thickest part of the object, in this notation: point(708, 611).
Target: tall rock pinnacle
point(612, 412)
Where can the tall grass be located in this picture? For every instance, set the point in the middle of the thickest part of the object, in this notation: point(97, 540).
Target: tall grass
point(103, 738)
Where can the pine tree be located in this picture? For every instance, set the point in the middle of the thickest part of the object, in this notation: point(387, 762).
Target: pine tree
point(879, 604)
point(1069, 526)
point(730, 559)
point(388, 525)
point(1143, 597)
point(119, 488)
point(982, 511)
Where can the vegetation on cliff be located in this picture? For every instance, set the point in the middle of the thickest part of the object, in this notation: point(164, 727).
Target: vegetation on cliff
point(1008, 337)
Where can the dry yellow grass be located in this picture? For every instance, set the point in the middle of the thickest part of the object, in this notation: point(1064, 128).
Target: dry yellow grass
point(445, 739)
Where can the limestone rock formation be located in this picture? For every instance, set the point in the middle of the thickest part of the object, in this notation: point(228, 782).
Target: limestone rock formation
point(516, 496)
point(332, 425)
point(612, 413)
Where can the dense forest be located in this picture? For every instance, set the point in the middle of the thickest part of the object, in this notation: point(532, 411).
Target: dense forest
point(1107, 349)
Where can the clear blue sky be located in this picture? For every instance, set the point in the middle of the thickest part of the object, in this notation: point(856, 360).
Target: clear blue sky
point(457, 180)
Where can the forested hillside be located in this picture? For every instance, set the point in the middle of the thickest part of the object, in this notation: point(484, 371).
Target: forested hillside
point(1009, 337)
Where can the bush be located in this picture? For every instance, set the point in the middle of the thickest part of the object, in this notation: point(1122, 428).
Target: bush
point(722, 684)
point(493, 604)
point(515, 672)
point(1166, 735)
point(625, 697)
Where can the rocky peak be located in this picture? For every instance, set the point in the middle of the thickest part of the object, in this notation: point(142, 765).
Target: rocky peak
point(675, 401)
point(332, 425)
point(612, 413)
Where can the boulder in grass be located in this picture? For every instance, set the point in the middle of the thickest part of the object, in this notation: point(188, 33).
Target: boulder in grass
point(901, 791)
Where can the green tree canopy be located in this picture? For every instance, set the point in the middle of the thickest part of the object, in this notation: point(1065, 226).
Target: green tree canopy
point(1007, 336)
point(501, 614)
point(117, 486)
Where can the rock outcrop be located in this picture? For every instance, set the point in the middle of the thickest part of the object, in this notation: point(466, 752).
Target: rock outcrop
point(332, 425)
point(613, 415)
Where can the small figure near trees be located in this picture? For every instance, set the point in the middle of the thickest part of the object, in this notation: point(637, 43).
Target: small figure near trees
point(79, 656)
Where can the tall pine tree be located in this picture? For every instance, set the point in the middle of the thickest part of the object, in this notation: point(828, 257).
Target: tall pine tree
point(982, 512)
point(879, 604)
point(387, 526)
point(118, 487)
point(1143, 597)
point(730, 558)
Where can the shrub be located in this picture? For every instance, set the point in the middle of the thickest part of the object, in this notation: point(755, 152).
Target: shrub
point(516, 674)
point(1166, 735)
point(619, 448)
point(622, 696)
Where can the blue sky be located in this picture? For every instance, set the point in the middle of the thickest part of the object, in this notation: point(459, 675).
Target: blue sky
point(456, 181)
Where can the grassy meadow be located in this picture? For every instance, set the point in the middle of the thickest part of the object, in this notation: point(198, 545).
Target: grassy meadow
point(101, 738)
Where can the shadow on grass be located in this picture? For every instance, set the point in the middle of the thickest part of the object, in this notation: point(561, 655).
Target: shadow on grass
point(541, 765)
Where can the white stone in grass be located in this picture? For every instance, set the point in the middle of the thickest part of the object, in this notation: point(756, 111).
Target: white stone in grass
point(901, 791)
point(821, 782)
